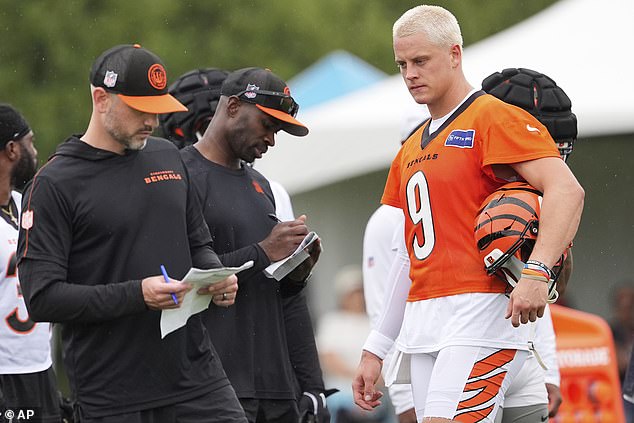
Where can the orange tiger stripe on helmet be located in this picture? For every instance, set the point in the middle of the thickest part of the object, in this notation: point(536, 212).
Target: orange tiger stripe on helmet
point(506, 212)
point(507, 222)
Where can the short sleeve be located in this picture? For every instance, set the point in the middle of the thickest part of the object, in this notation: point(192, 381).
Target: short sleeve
point(391, 193)
point(515, 136)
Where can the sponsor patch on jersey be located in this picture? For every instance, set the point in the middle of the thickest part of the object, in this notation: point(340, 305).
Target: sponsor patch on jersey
point(462, 138)
point(27, 219)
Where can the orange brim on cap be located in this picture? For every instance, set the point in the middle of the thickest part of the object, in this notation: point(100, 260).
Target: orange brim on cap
point(295, 128)
point(153, 103)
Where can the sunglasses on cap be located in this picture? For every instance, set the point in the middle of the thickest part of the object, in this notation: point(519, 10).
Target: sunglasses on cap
point(274, 100)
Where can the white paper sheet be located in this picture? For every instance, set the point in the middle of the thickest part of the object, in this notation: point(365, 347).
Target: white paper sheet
point(281, 268)
point(193, 302)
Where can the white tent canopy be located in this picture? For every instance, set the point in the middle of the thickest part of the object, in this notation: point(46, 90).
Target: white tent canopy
point(581, 44)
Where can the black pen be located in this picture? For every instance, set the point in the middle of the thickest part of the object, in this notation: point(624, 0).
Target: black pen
point(274, 217)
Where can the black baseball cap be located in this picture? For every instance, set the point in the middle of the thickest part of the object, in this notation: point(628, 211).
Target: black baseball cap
point(269, 93)
point(13, 126)
point(137, 76)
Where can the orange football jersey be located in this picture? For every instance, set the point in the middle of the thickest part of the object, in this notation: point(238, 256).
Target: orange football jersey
point(441, 186)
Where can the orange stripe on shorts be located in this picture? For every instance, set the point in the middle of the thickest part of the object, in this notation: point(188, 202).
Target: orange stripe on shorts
point(483, 385)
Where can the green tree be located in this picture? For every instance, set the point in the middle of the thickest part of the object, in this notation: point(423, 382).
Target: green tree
point(48, 47)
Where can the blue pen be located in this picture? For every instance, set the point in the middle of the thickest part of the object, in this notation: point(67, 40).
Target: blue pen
point(167, 280)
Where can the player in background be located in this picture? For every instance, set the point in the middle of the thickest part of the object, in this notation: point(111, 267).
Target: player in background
point(453, 315)
point(539, 95)
point(380, 244)
point(27, 379)
point(379, 251)
point(200, 91)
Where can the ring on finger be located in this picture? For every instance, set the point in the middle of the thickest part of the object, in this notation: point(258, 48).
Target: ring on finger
point(224, 296)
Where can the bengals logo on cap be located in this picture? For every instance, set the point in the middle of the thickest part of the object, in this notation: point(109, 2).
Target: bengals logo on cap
point(157, 76)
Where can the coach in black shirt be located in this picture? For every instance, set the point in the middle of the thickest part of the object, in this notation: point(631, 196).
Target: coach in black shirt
point(99, 219)
point(265, 341)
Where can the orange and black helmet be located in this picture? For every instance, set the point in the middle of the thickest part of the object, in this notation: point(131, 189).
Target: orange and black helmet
point(506, 228)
